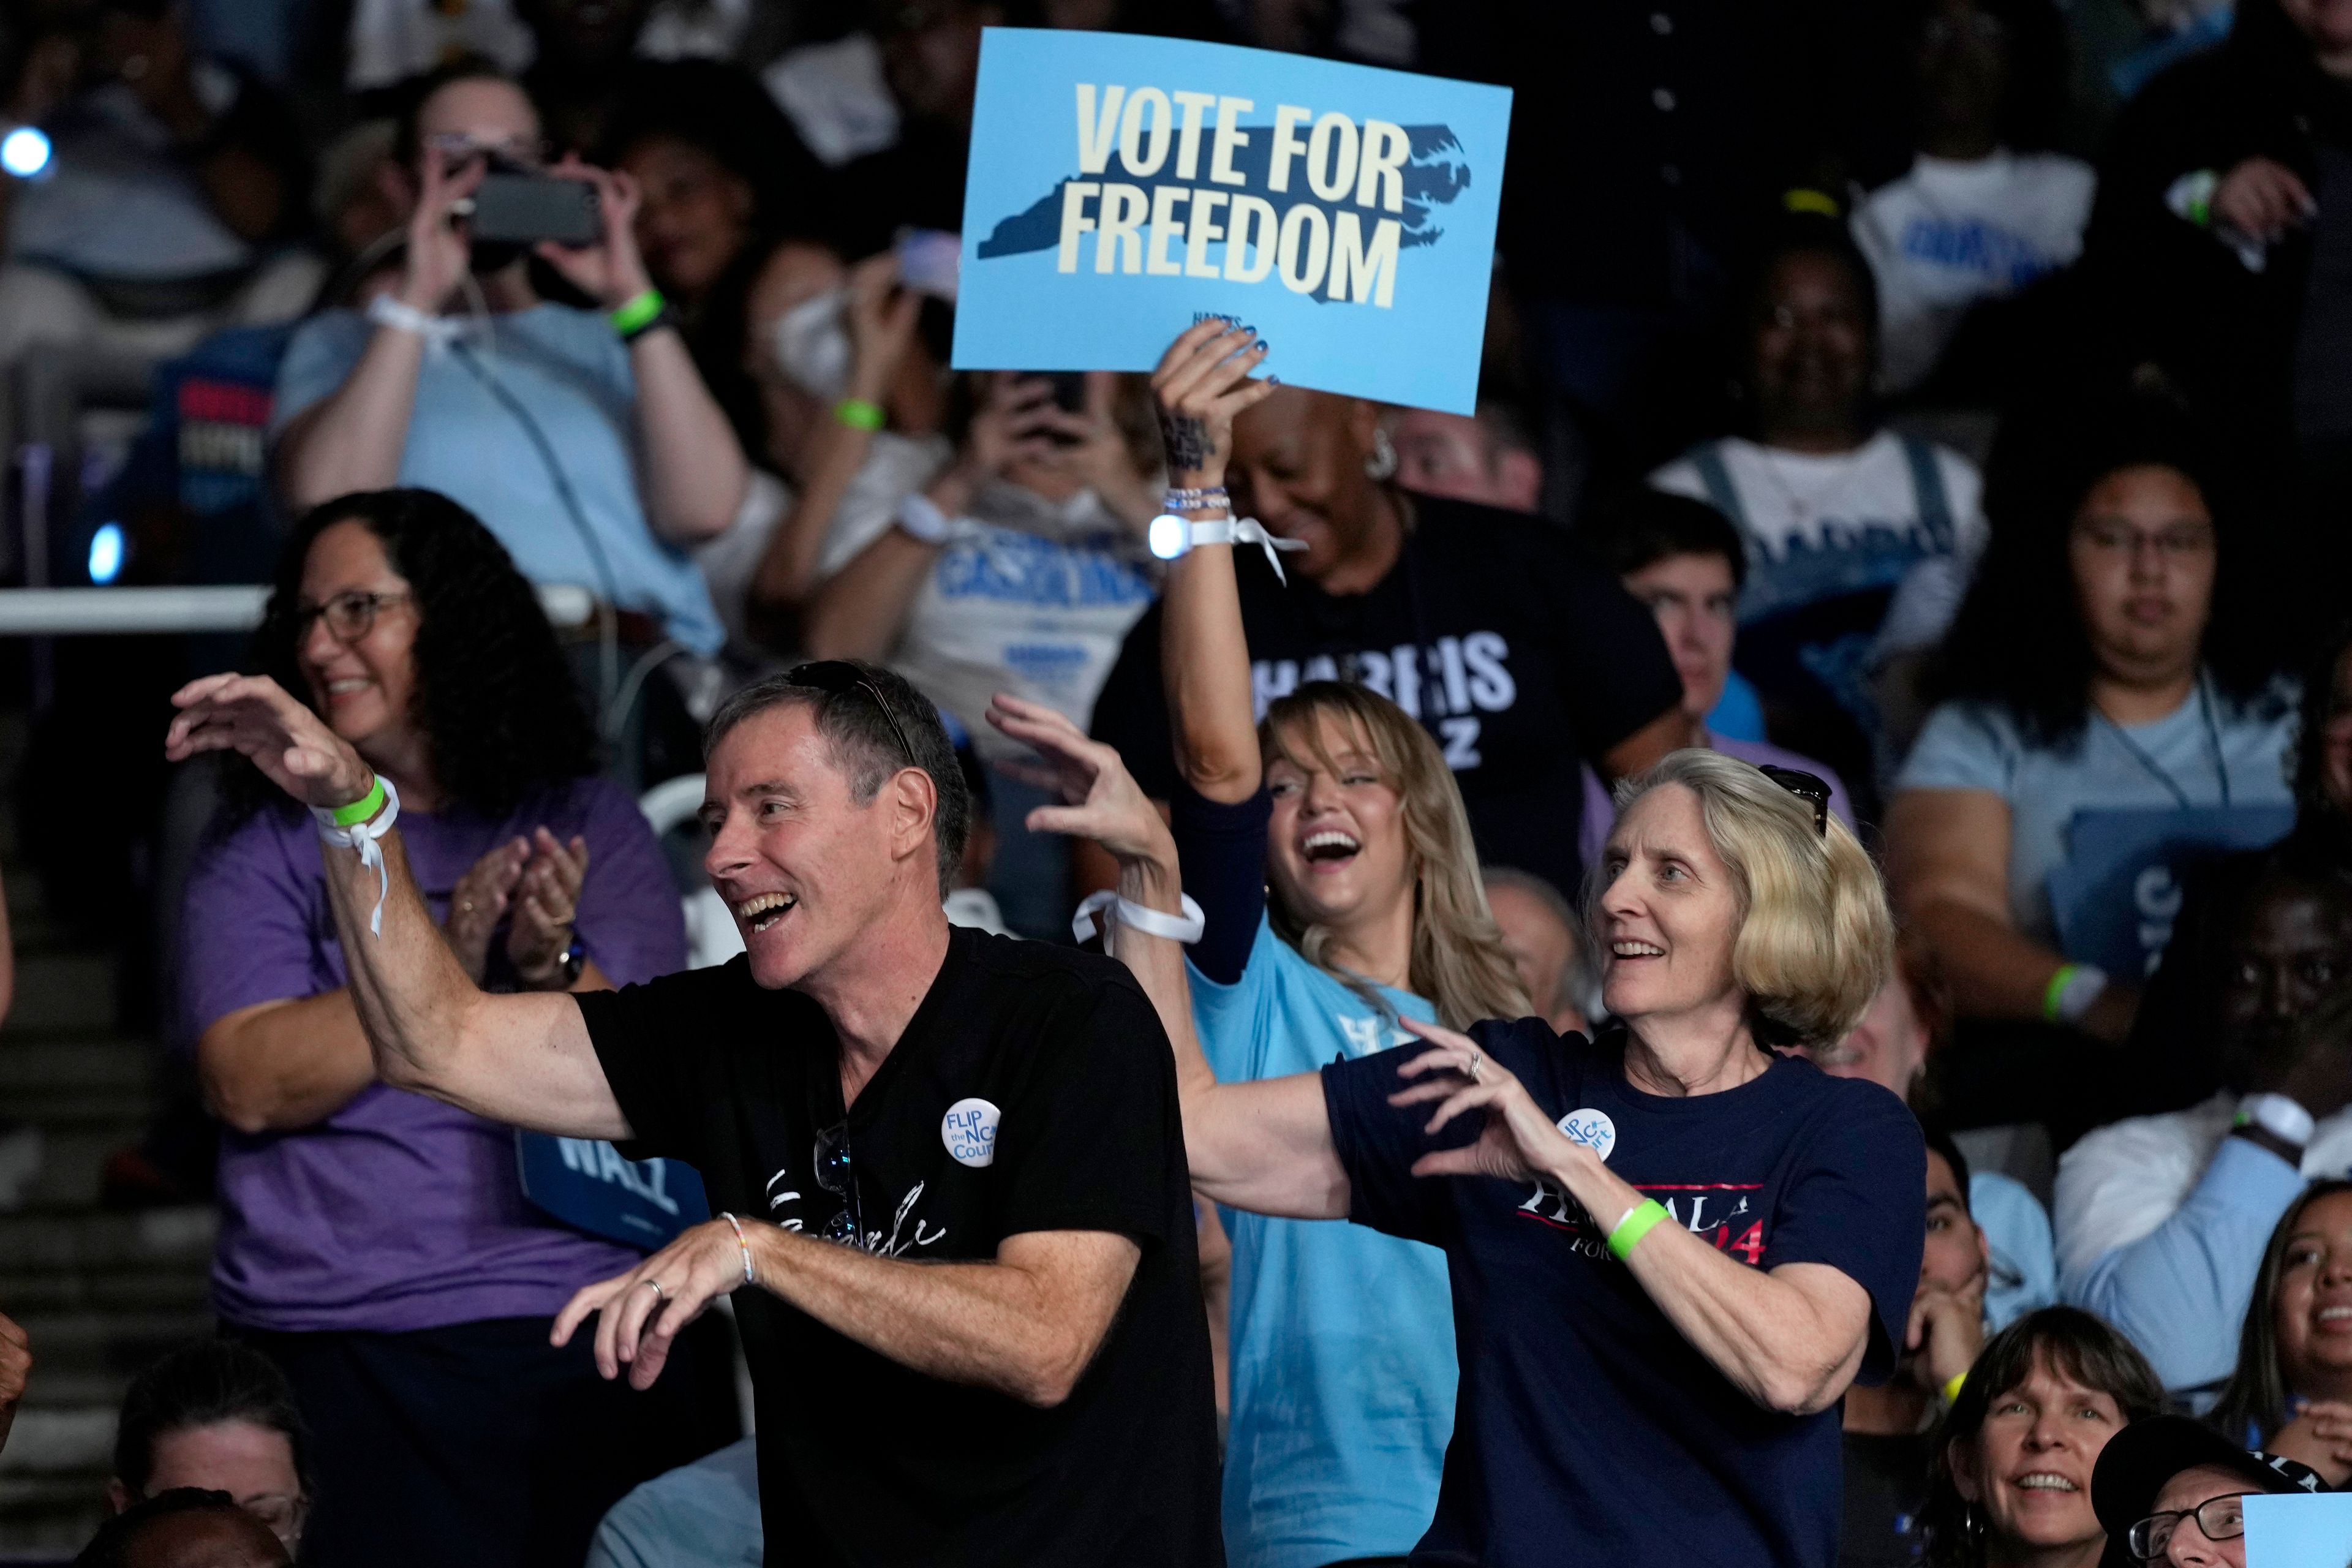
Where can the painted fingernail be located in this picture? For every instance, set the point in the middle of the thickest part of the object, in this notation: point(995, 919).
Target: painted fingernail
point(1273, 381)
point(1261, 346)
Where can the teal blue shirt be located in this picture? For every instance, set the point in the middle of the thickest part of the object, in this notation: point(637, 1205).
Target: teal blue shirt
point(1341, 1342)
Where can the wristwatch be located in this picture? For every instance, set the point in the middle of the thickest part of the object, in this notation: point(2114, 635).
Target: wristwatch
point(2277, 1115)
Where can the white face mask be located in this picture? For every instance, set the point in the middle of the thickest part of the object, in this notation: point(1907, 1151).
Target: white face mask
point(811, 343)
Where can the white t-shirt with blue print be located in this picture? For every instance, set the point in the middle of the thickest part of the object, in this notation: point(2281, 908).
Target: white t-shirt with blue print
point(1341, 1342)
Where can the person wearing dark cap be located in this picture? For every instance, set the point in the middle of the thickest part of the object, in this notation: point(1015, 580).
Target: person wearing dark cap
point(2171, 1489)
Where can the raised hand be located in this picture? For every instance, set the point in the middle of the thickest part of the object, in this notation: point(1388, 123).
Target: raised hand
point(1093, 450)
point(255, 716)
point(642, 1312)
point(1517, 1141)
point(612, 270)
point(1101, 799)
point(2261, 199)
point(1945, 1331)
point(2321, 1436)
point(478, 903)
point(1015, 423)
point(438, 253)
point(1202, 384)
point(546, 908)
point(881, 318)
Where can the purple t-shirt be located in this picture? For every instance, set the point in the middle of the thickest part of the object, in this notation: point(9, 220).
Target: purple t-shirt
point(398, 1211)
point(1600, 810)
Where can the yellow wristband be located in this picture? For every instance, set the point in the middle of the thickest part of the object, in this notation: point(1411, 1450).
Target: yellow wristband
point(1633, 1227)
point(1952, 1389)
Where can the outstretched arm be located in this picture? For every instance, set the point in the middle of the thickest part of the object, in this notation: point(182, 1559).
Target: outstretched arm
point(525, 1059)
point(1202, 384)
point(1264, 1146)
point(1026, 1324)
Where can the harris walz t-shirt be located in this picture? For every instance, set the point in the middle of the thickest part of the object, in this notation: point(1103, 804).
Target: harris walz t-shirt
point(1519, 655)
point(1033, 1090)
point(1586, 1426)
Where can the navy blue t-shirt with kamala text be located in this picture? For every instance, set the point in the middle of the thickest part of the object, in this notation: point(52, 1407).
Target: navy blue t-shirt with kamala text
point(1588, 1429)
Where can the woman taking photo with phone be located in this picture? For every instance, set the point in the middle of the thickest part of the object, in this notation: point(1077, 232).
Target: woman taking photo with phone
point(584, 439)
point(1632, 1390)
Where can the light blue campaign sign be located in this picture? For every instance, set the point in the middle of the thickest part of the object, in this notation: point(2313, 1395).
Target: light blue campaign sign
point(2298, 1530)
point(1122, 188)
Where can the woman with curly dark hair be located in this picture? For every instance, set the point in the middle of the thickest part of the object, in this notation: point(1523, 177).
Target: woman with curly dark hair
point(375, 1244)
point(2106, 663)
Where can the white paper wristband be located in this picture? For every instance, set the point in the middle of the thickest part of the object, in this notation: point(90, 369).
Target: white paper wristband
point(362, 836)
point(402, 317)
point(1185, 928)
point(1171, 536)
point(922, 519)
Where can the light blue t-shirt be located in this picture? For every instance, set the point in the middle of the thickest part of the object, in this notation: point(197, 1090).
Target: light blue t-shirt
point(569, 374)
point(1978, 746)
point(1342, 1344)
point(2017, 1232)
point(705, 1514)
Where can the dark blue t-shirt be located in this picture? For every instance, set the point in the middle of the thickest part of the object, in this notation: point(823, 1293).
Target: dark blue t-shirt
point(1588, 1429)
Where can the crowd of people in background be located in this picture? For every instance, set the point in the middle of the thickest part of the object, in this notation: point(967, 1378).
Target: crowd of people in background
point(1906, 489)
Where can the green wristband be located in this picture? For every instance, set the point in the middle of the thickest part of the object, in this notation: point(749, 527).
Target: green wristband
point(1633, 1227)
point(860, 414)
point(361, 809)
point(2053, 994)
point(631, 314)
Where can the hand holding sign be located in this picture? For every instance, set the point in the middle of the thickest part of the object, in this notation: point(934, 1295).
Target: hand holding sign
point(1202, 384)
point(1119, 187)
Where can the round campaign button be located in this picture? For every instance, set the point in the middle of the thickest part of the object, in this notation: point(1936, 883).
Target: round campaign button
point(1591, 1128)
point(968, 1130)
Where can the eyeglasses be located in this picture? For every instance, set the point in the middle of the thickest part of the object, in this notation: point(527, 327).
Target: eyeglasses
point(836, 1176)
point(2174, 542)
point(2218, 1519)
point(348, 617)
point(458, 147)
point(835, 676)
point(1805, 787)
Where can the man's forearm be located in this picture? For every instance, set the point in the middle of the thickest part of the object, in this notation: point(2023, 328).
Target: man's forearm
point(409, 988)
point(992, 1325)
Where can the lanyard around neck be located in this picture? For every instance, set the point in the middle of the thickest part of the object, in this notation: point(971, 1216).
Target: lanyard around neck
point(2155, 770)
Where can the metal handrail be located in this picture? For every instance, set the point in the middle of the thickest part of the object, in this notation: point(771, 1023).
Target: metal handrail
point(127, 611)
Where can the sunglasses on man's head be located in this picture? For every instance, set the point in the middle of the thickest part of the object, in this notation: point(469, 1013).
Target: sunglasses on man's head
point(835, 676)
point(1805, 787)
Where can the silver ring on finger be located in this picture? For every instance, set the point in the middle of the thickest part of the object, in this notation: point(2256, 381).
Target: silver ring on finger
point(1477, 1067)
point(659, 1294)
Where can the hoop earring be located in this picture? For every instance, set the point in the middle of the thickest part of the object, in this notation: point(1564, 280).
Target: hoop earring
point(1380, 463)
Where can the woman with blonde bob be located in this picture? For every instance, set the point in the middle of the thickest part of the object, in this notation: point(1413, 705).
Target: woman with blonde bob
point(1669, 1249)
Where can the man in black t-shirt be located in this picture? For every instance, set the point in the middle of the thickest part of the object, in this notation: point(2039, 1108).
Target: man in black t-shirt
point(997, 1352)
point(1521, 656)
